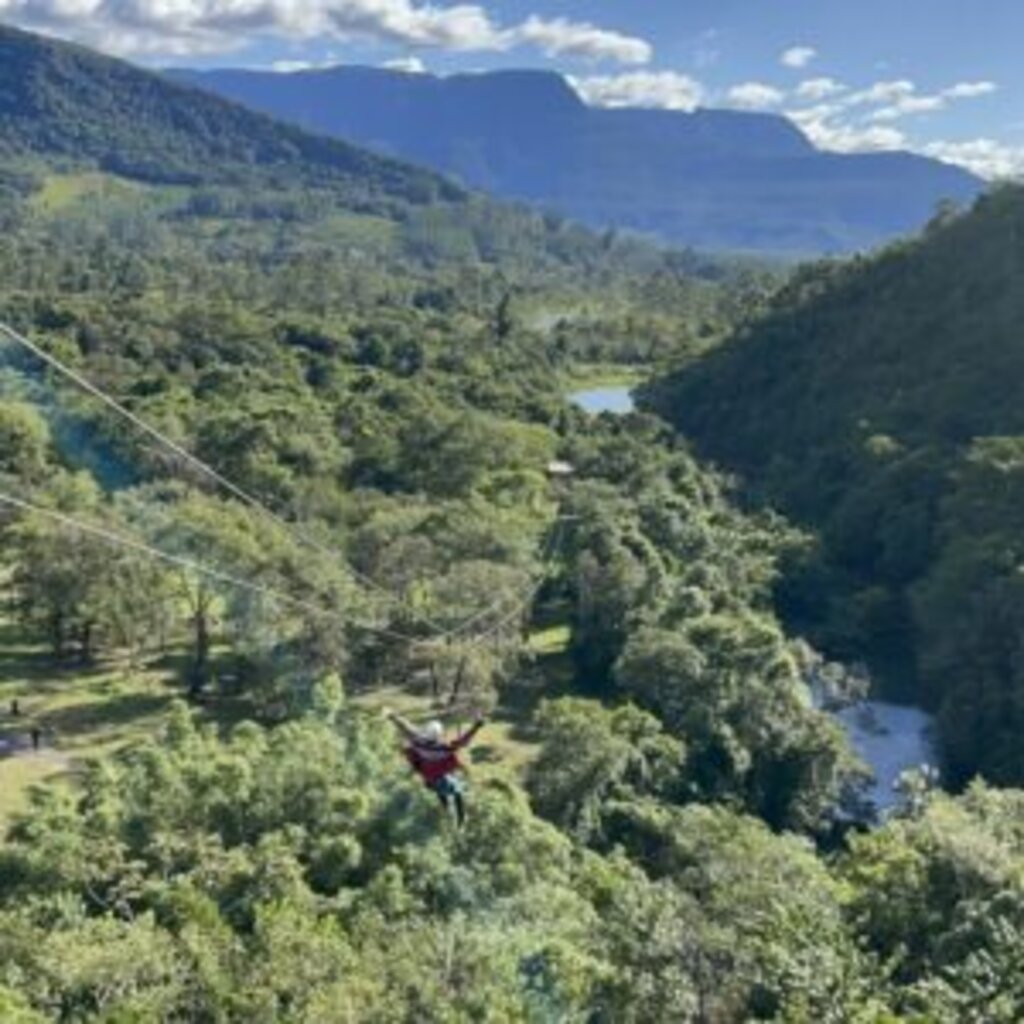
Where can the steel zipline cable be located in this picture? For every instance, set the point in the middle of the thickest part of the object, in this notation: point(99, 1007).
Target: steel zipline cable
point(440, 633)
point(121, 540)
point(128, 543)
point(530, 592)
point(530, 597)
point(188, 457)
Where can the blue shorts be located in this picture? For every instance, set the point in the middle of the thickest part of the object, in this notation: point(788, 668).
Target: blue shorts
point(449, 786)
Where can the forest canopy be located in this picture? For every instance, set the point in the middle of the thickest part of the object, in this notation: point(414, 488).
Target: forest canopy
point(879, 402)
point(658, 826)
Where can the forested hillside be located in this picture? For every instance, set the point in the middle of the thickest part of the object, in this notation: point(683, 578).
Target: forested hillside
point(223, 826)
point(68, 111)
point(59, 100)
point(881, 401)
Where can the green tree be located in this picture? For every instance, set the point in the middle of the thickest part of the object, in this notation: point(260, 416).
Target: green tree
point(592, 755)
point(24, 442)
point(730, 687)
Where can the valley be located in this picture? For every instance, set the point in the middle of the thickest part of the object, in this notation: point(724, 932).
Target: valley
point(891, 739)
point(296, 438)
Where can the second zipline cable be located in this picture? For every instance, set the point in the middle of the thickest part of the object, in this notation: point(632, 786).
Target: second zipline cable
point(141, 547)
point(193, 460)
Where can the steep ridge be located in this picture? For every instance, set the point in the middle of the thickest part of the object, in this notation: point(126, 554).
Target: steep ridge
point(710, 179)
point(62, 101)
point(883, 402)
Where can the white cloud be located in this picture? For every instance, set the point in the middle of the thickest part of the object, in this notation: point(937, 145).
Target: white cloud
point(664, 90)
point(798, 56)
point(908, 105)
point(816, 89)
point(463, 27)
point(843, 125)
point(408, 65)
point(563, 38)
point(894, 98)
point(825, 127)
point(288, 67)
point(987, 158)
point(755, 96)
point(970, 90)
point(182, 27)
point(908, 102)
point(864, 121)
point(882, 92)
point(819, 112)
point(849, 138)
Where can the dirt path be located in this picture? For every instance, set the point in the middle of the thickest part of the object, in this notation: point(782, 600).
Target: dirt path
point(21, 747)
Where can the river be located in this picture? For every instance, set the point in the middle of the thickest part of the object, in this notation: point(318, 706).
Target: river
point(615, 398)
point(889, 738)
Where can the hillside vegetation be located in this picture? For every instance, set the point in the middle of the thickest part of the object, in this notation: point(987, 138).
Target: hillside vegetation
point(57, 100)
point(881, 401)
point(656, 824)
point(95, 121)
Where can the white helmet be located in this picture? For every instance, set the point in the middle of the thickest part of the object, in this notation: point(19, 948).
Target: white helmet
point(433, 731)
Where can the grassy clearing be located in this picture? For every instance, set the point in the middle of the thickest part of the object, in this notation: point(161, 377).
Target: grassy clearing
point(85, 712)
point(604, 375)
point(81, 711)
point(61, 191)
point(551, 641)
point(17, 777)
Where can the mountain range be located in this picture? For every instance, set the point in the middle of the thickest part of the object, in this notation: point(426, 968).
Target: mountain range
point(75, 124)
point(711, 179)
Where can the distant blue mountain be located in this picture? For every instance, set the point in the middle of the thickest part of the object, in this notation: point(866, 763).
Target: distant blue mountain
point(711, 179)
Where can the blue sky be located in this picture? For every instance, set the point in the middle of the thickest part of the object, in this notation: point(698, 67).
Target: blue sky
point(943, 77)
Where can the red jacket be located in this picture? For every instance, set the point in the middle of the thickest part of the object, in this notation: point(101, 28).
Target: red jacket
point(433, 761)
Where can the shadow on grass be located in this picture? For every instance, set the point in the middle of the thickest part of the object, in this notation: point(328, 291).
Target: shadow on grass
point(74, 721)
point(38, 669)
point(552, 676)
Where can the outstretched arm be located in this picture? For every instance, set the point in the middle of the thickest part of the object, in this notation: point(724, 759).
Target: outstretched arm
point(407, 729)
point(470, 734)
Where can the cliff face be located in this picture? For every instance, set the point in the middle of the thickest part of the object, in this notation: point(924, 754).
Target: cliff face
point(712, 179)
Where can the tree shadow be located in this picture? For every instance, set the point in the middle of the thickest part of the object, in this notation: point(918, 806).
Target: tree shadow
point(73, 721)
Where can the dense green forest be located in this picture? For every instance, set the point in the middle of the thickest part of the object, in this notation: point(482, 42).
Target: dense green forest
point(656, 827)
point(880, 402)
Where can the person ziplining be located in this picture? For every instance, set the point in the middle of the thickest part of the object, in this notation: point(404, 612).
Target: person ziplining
point(436, 760)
